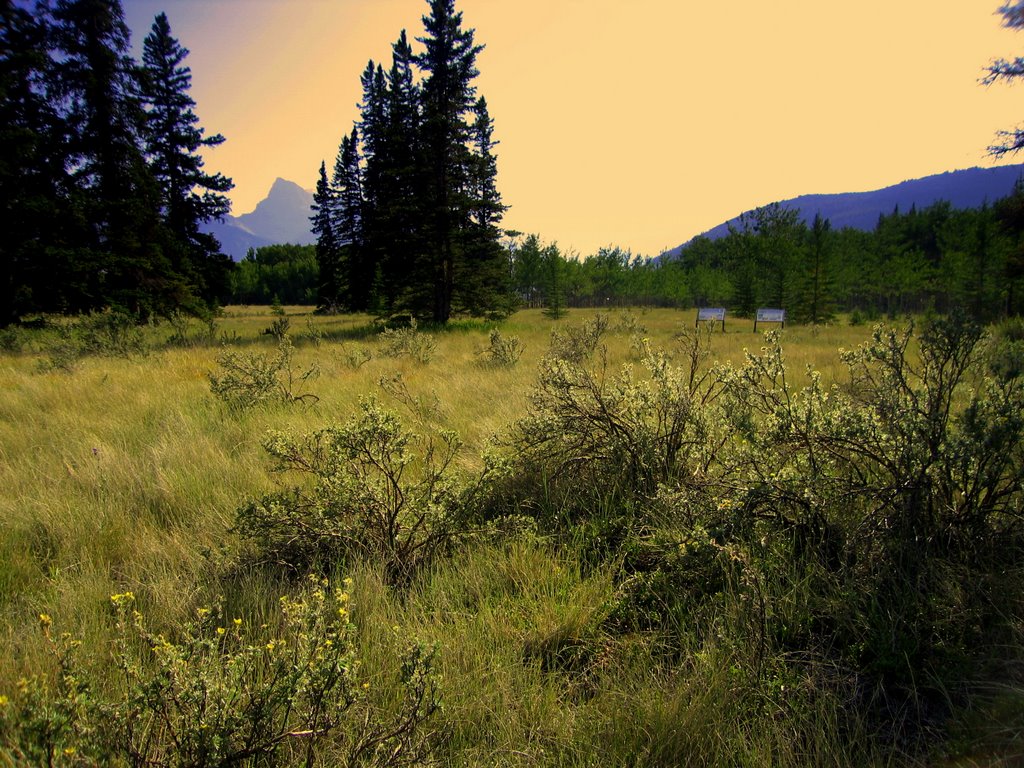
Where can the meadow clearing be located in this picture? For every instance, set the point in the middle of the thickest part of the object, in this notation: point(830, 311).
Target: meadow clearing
point(123, 472)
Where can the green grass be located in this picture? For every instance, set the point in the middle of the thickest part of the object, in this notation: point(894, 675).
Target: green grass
point(125, 474)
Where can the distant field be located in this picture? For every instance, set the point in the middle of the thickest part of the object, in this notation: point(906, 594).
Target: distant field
point(125, 472)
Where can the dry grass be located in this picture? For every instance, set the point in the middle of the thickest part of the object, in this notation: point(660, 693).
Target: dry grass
point(126, 474)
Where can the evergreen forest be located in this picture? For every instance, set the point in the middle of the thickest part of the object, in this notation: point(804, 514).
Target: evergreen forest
point(102, 180)
point(408, 219)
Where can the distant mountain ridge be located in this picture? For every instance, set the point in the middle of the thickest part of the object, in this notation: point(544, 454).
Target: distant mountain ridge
point(968, 188)
point(281, 217)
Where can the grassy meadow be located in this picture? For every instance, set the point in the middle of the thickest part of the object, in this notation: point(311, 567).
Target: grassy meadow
point(125, 473)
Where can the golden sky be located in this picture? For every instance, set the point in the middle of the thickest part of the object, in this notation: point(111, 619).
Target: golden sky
point(638, 123)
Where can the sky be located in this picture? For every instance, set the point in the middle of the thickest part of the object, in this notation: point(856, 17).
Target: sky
point(635, 124)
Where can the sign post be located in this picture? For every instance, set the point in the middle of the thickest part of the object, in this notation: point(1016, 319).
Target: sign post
point(766, 315)
point(710, 315)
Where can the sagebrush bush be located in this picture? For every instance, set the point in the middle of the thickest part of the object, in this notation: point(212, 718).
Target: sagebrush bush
point(368, 489)
point(866, 525)
point(249, 380)
point(575, 345)
point(602, 431)
point(501, 351)
point(408, 342)
point(102, 334)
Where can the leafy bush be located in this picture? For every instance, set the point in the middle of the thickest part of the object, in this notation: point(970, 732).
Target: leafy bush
point(249, 380)
point(574, 345)
point(421, 406)
point(365, 492)
point(355, 356)
point(626, 432)
point(408, 342)
point(872, 526)
point(181, 336)
point(103, 334)
point(897, 489)
point(501, 351)
point(224, 693)
point(278, 328)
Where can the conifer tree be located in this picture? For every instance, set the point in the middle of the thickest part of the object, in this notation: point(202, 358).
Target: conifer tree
point(553, 271)
point(397, 211)
point(189, 196)
point(31, 169)
point(123, 260)
point(329, 292)
point(483, 274)
point(355, 266)
point(428, 239)
point(448, 95)
point(815, 293)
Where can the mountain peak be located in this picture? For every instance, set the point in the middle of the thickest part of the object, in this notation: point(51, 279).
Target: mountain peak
point(284, 188)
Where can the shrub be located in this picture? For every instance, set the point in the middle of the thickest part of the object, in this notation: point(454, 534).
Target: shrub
point(501, 351)
point(605, 431)
point(355, 356)
point(249, 380)
point(103, 334)
point(574, 345)
point(278, 328)
point(224, 693)
point(181, 335)
point(408, 342)
point(421, 406)
point(895, 488)
point(369, 489)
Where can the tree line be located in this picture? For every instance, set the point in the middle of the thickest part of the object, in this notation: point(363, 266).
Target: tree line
point(933, 258)
point(101, 180)
point(407, 221)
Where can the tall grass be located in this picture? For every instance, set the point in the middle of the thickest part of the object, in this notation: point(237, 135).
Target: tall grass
point(126, 474)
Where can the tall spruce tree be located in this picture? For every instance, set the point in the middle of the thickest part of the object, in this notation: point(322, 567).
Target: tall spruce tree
point(32, 268)
point(814, 295)
point(189, 196)
point(355, 264)
point(123, 260)
point(448, 96)
point(428, 239)
point(327, 255)
point(397, 214)
point(483, 273)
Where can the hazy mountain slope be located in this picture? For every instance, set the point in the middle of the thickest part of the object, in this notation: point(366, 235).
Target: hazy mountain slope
point(963, 189)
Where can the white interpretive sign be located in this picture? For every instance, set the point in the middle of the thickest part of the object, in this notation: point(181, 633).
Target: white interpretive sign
point(710, 315)
point(766, 315)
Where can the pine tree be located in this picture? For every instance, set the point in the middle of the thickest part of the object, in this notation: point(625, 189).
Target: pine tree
point(122, 260)
point(553, 271)
point(814, 298)
point(31, 169)
point(327, 253)
point(483, 274)
point(355, 265)
point(398, 215)
point(189, 196)
point(428, 240)
point(448, 95)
